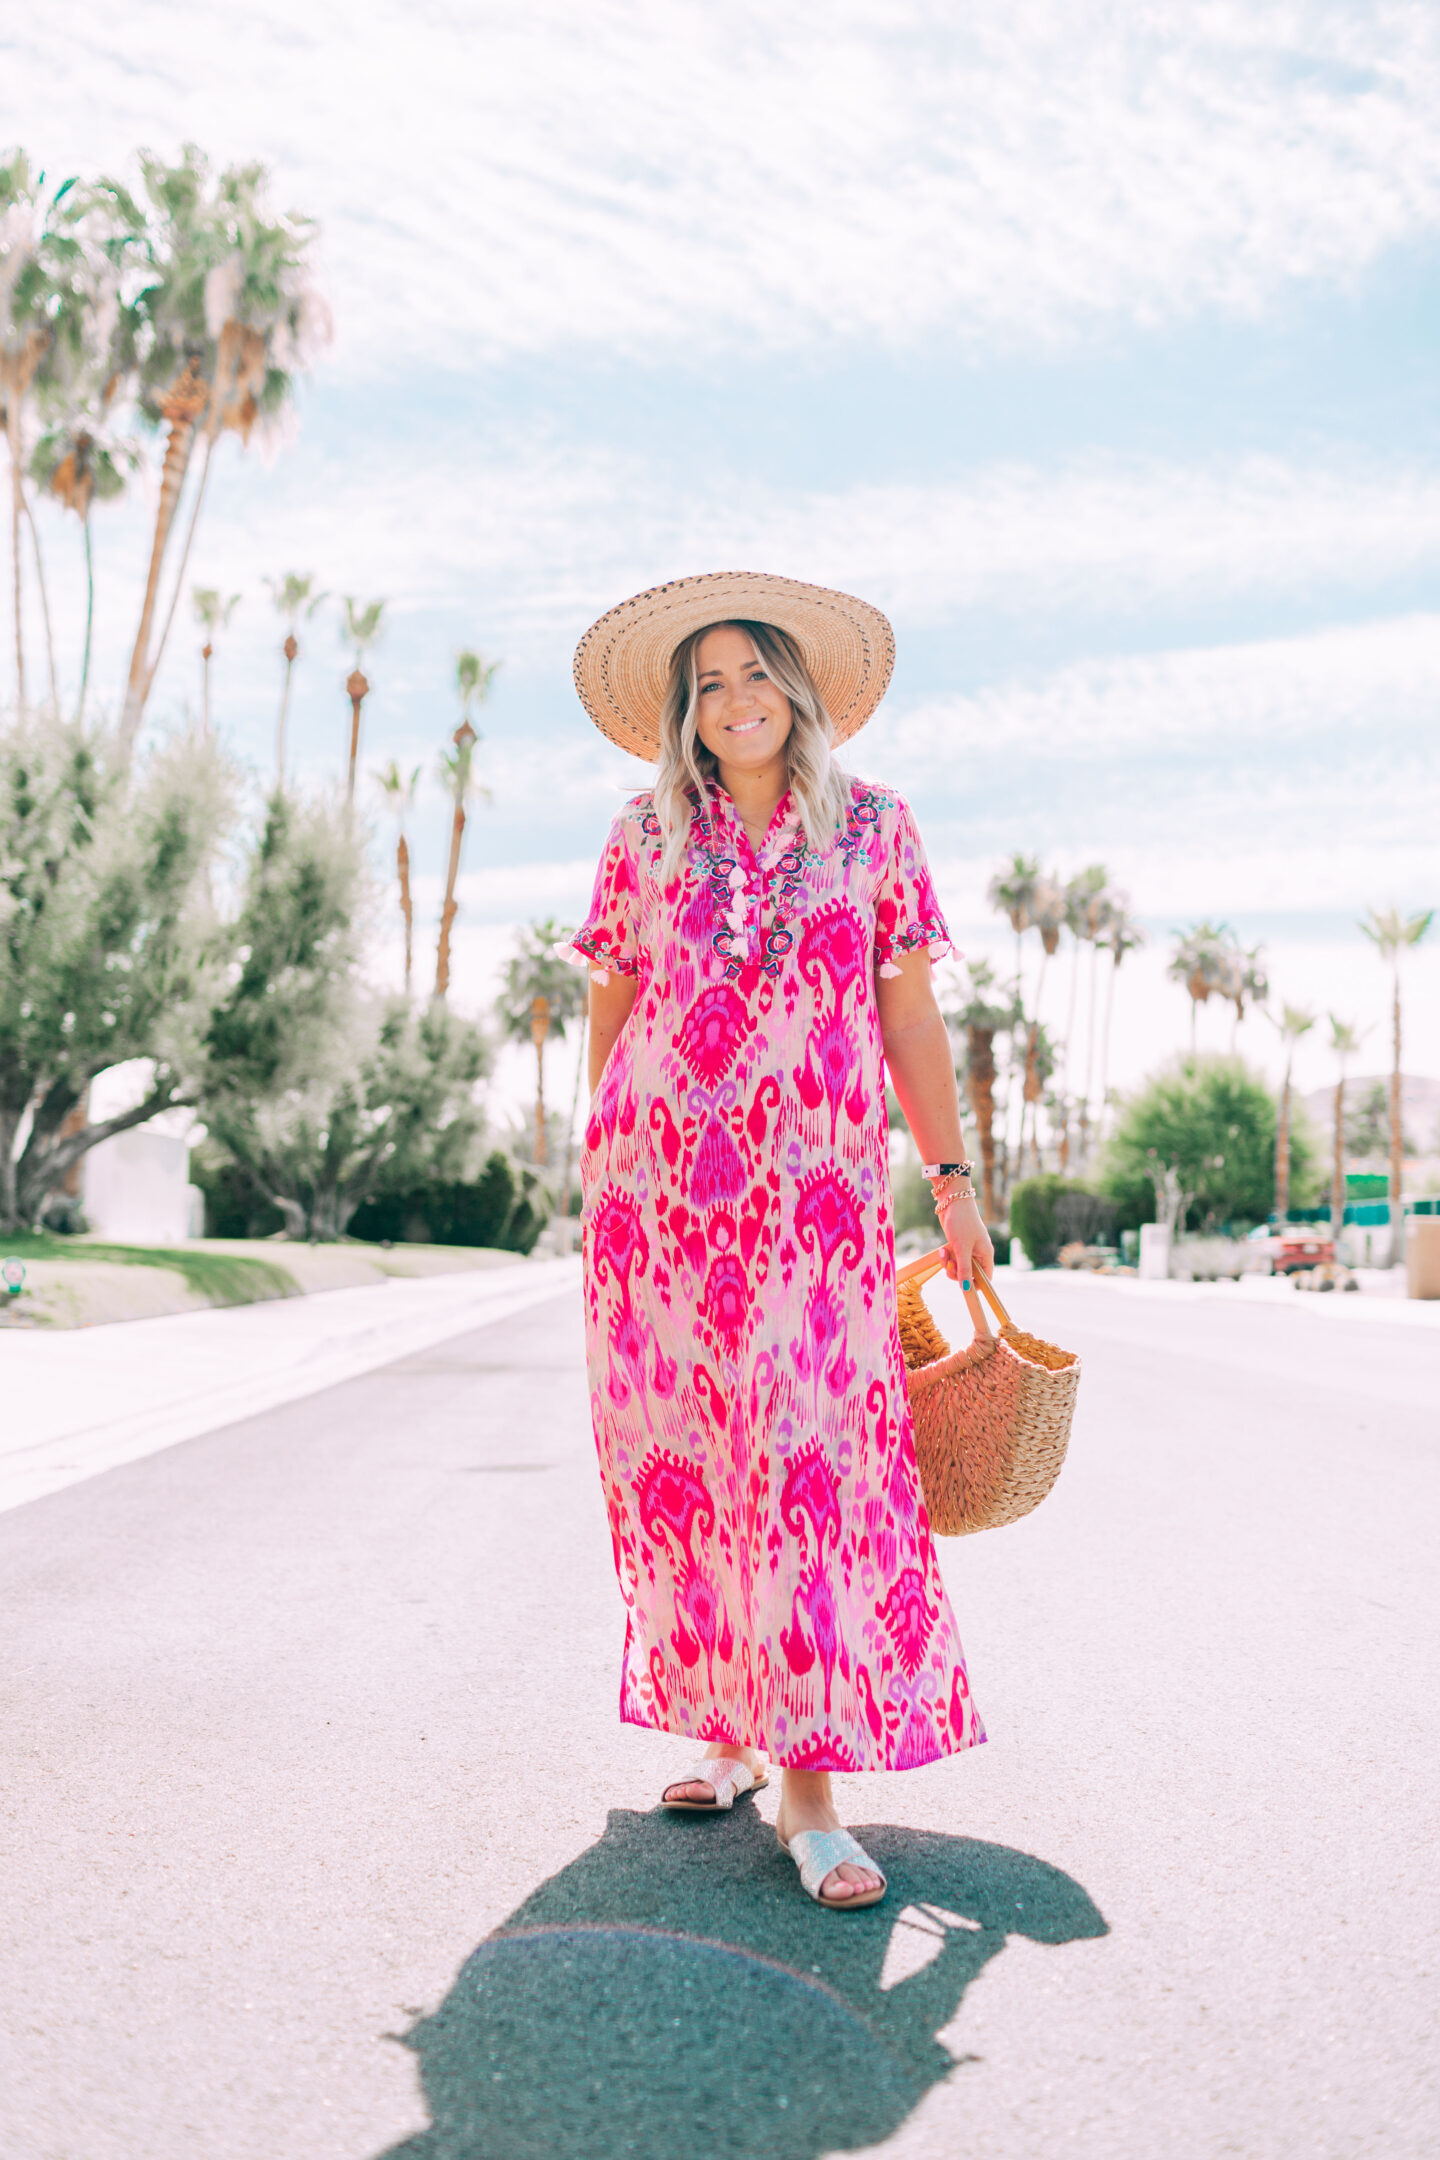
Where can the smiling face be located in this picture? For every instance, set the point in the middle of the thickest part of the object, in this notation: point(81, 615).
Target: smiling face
point(743, 718)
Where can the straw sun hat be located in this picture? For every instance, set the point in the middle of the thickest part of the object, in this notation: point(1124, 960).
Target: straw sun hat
point(622, 664)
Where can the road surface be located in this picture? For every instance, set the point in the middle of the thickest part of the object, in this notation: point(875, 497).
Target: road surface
point(322, 1840)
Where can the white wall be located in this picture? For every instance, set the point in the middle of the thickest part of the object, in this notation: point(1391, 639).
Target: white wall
point(137, 1188)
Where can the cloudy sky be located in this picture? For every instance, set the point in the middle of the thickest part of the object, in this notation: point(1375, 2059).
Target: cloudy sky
point(1096, 343)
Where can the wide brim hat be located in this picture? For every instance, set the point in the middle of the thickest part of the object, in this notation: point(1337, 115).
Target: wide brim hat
point(622, 664)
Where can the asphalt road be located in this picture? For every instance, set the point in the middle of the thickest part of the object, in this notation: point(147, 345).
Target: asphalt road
point(322, 1840)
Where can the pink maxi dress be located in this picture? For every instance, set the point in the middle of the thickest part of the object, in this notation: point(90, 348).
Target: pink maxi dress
point(746, 1378)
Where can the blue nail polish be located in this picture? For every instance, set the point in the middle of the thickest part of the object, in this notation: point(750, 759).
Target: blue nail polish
point(966, 1284)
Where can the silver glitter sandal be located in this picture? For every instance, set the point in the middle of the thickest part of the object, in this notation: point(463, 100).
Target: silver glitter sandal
point(818, 1852)
point(725, 1775)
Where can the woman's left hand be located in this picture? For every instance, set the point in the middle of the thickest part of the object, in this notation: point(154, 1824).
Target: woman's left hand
point(968, 1240)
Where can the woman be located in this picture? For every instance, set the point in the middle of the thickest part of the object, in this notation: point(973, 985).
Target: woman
point(760, 944)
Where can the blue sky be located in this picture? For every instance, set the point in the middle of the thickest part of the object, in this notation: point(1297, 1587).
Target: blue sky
point(1095, 343)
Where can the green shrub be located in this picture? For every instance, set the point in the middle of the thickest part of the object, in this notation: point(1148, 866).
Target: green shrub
point(1043, 1227)
point(499, 1208)
point(1214, 1123)
point(235, 1207)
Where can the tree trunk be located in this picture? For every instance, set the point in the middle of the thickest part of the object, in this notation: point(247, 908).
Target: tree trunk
point(12, 436)
point(1089, 1059)
point(1105, 1046)
point(206, 650)
point(44, 592)
point(194, 519)
point(1030, 1099)
point(539, 1029)
point(1397, 1143)
point(402, 865)
point(1070, 1009)
point(1337, 1175)
point(46, 1163)
point(297, 1219)
point(357, 688)
point(9, 1127)
point(980, 1044)
point(89, 621)
point(1039, 1087)
point(1282, 1152)
point(183, 407)
point(448, 912)
point(290, 648)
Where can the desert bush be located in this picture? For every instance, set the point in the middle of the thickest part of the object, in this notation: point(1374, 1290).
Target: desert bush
point(1050, 1211)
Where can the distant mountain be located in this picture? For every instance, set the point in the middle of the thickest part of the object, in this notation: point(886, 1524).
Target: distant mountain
point(1420, 1105)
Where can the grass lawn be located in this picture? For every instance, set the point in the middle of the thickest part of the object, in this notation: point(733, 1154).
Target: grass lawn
point(221, 1278)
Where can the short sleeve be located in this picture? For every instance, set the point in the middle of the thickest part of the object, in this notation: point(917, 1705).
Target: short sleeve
point(907, 910)
point(609, 936)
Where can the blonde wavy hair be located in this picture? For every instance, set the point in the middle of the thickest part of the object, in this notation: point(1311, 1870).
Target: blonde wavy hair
point(817, 783)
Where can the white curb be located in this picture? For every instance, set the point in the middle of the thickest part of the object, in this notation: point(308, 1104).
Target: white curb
point(75, 1403)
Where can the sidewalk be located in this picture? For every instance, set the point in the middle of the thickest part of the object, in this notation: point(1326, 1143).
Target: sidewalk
point(78, 1403)
point(1385, 1306)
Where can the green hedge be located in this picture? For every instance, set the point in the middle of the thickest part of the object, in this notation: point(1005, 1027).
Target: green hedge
point(1050, 1211)
point(496, 1209)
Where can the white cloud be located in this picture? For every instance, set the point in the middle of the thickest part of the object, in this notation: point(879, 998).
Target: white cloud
point(663, 174)
point(1284, 696)
point(534, 545)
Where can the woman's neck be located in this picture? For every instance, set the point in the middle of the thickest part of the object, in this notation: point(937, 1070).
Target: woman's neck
point(756, 795)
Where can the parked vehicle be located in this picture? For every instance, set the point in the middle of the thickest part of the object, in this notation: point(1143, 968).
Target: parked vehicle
point(1302, 1246)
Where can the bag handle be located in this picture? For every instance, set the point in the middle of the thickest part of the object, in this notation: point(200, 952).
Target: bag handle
point(933, 1263)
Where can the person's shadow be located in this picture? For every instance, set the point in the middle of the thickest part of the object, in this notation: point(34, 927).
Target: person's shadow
point(674, 1992)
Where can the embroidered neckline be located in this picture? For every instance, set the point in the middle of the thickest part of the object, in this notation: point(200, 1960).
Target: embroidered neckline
point(742, 894)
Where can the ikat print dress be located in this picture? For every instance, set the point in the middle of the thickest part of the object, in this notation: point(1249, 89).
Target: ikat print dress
point(746, 1377)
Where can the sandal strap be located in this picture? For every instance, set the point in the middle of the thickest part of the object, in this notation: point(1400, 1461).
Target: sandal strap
point(817, 1853)
point(726, 1775)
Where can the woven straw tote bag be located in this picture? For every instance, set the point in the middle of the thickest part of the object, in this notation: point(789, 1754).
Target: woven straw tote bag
point(992, 1422)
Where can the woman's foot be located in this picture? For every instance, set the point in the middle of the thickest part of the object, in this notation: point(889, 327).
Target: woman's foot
point(805, 1804)
point(703, 1795)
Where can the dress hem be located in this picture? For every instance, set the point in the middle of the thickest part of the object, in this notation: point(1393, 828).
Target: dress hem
point(838, 1769)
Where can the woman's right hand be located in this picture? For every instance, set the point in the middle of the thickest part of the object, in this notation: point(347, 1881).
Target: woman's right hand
point(968, 1241)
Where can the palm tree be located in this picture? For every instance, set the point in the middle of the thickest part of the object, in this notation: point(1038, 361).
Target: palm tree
point(1047, 915)
point(541, 994)
point(1084, 896)
point(473, 677)
point(399, 796)
point(1393, 935)
point(213, 614)
point(1242, 978)
point(41, 315)
point(68, 318)
point(80, 461)
point(293, 599)
point(1096, 912)
point(232, 314)
point(1012, 892)
point(981, 1018)
point(361, 629)
point(1122, 934)
point(1199, 961)
point(1294, 1021)
point(1345, 1041)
